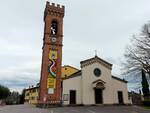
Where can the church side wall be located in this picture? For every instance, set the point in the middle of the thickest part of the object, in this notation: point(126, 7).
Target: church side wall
point(72, 84)
point(120, 86)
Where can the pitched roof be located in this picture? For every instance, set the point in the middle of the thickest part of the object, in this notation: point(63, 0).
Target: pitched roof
point(36, 87)
point(96, 59)
point(76, 74)
point(70, 67)
point(79, 73)
point(122, 80)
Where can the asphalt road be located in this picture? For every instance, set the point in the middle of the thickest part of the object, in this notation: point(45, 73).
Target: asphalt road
point(84, 109)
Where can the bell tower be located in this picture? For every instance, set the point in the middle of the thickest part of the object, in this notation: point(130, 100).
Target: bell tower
point(50, 81)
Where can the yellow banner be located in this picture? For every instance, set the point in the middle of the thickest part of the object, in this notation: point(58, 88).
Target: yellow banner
point(52, 54)
point(50, 76)
point(51, 83)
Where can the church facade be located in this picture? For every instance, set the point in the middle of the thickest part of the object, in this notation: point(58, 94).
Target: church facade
point(94, 84)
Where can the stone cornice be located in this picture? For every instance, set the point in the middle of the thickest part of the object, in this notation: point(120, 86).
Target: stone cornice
point(95, 59)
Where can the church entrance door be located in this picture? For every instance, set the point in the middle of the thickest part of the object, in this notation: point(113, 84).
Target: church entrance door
point(98, 96)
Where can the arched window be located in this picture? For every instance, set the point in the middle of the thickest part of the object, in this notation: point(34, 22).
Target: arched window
point(54, 28)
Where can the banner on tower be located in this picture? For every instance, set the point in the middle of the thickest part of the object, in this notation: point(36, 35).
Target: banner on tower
point(52, 68)
point(52, 63)
point(50, 90)
point(51, 83)
point(51, 80)
point(53, 54)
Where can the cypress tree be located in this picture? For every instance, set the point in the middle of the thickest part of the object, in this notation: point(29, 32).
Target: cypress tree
point(22, 97)
point(145, 86)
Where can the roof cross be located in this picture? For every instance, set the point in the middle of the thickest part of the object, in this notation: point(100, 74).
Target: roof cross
point(95, 52)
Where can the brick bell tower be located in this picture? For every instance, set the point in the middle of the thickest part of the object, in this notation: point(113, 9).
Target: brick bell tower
point(50, 81)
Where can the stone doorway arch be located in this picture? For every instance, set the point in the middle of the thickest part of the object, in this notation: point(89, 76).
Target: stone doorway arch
point(98, 87)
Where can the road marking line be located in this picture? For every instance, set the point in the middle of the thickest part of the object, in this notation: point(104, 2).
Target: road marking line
point(51, 111)
point(74, 110)
point(91, 111)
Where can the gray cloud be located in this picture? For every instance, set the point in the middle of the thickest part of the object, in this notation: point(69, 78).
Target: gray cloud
point(102, 25)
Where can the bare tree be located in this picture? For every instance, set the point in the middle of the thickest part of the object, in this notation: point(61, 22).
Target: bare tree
point(137, 54)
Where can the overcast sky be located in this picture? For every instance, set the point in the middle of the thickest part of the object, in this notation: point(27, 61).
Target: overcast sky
point(103, 25)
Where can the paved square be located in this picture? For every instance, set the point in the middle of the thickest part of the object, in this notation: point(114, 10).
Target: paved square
point(84, 109)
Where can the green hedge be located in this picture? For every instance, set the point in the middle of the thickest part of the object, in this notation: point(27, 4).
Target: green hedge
point(146, 103)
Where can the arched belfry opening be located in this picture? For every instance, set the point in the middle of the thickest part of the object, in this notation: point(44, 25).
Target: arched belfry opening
point(54, 28)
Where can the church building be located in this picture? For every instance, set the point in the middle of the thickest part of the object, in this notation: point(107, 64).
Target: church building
point(94, 84)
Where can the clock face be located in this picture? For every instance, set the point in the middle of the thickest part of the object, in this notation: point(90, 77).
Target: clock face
point(97, 72)
point(53, 39)
point(53, 28)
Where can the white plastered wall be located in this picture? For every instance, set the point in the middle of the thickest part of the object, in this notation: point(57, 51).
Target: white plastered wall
point(88, 96)
point(120, 86)
point(72, 84)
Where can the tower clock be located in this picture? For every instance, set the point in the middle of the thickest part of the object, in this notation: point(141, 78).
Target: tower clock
point(50, 81)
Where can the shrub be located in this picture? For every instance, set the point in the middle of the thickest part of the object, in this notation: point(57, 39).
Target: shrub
point(146, 103)
point(4, 92)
